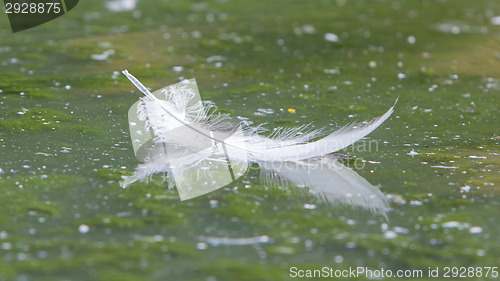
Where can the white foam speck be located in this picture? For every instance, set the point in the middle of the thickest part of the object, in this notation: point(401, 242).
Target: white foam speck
point(83, 228)
point(121, 5)
point(475, 230)
point(390, 234)
point(331, 37)
point(495, 20)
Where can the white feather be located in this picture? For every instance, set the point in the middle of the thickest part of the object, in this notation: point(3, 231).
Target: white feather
point(185, 136)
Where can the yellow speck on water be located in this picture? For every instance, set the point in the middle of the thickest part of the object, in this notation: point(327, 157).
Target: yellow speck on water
point(291, 110)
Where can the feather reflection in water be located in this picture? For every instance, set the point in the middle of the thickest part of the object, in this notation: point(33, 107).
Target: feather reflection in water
point(326, 179)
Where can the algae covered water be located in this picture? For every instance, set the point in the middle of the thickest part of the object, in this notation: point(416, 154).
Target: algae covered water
point(65, 142)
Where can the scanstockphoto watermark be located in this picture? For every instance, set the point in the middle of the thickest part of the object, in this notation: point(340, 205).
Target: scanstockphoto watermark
point(354, 272)
point(380, 273)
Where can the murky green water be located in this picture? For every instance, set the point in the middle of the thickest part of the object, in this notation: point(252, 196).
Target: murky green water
point(64, 140)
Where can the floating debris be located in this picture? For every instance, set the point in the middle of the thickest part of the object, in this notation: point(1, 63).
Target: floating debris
point(477, 157)
point(227, 241)
point(216, 58)
point(309, 206)
point(331, 71)
point(449, 28)
point(22, 111)
point(416, 203)
point(65, 149)
point(201, 246)
point(390, 234)
point(444, 167)
point(83, 228)
point(455, 224)
point(268, 111)
point(495, 20)
point(121, 5)
point(44, 154)
point(475, 230)
point(213, 203)
point(412, 153)
point(104, 56)
point(152, 239)
point(465, 188)
point(401, 230)
point(398, 199)
point(308, 29)
point(177, 68)
point(331, 37)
